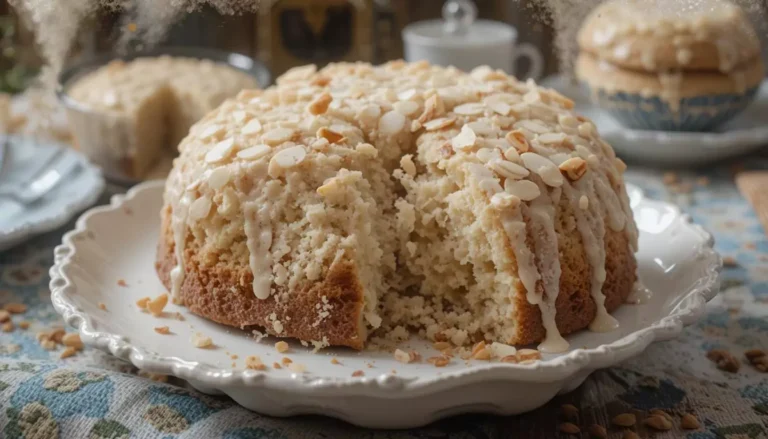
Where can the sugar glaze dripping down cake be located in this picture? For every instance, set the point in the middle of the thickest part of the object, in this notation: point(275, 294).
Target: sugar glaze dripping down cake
point(399, 198)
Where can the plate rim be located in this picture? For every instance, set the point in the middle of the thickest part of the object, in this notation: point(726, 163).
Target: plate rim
point(385, 385)
point(27, 229)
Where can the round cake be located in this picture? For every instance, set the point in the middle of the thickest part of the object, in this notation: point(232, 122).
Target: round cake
point(394, 199)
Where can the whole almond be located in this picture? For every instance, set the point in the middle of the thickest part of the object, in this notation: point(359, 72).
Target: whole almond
point(624, 420)
point(660, 412)
point(630, 435)
point(4, 316)
point(597, 432)
point(689, 422)
point(569, 428)
point(569, 411)
point(658, 423)
point(751, 354)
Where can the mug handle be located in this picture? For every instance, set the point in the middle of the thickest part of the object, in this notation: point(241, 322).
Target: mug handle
point(530, 51)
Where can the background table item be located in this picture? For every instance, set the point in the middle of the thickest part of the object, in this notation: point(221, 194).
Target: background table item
point(95, 393)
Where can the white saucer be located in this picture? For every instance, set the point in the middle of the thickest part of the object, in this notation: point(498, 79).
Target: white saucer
point(78, 190)
point(97, 265)
point(745, 133)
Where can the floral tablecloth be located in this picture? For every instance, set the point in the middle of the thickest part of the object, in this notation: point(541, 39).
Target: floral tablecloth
point(92, 395)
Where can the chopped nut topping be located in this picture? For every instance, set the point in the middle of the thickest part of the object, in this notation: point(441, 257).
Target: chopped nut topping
point(286, 360)
point(330, 135)
point(320, 104)
point(358, 373)
point(15, 308)
point(517, 139)
point(156, 305)
point(282, 347)
point(201, 341)
point(122, 283)
point(102, 306)
point(574, 168)
point(276, 365)
point(162, 330)
point(509, 359)
point(254, 362)
point(442, 345)
point(439, 123)
point(465, 139)
point(433, 106)
point(406, 357)
point(406, 162)
point(335, 360)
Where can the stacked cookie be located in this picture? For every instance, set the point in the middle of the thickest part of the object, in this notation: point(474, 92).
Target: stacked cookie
point(669, 65)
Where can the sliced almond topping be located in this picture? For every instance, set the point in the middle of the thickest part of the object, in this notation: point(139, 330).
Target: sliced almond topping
point(509, 359)
point(278, 136)
point(526, 190)
point(358, 373)
point(528, 354)
point(406, 107)
point(240, 116)
point(415, 126)
point(254, 152)
point(391, 123)
point(567, 121)
point(543, 167)
point(508, 169)
point(500, 107)
point(211, 131)
point(320, 104)
point(402, 356)
point(486, 155)
point(439, 123)
point(201, 341)
point(282, 347)
point(286, 159)
point(200, 208)
point(156, 305)
point(574, 168)
point(330, 135)
point(432, 107)
point(469, 109)
point(658, 423)
point(407, 94)
point(532, 126)
point(162, 330)
point(335, 360)
point(465, 139)
point(587, 130)
point(517, 139)
point(220, 151)
point(440, 361)
point(551, 138)
point(218, 178)
point(504, 200)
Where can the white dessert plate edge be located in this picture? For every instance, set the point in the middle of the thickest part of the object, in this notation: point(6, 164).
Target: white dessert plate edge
point(357, 399)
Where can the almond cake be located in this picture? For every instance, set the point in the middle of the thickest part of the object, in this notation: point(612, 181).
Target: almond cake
point(146, 106)
point(399, 198)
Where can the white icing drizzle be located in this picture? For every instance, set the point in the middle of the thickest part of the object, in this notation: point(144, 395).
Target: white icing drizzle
point(179, 214)
point(258, 232)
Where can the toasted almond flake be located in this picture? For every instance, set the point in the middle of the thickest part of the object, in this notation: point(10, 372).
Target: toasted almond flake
point(407, 94)
point(219, 177)
point(252, 127)
point(517, 139)
point(156, 305)
point(415, 126)
point(567, 121)
point(72, 340)
point(320, 104)
point(201, 341)
point(528, 354)
point(488, 154)
point(469, 109)
point(508, 169)
point(15, 308)
point(402, 356)
point(122, 283)
point(330, 135)
point(583, 202)
point(543, 167)
point(433, 107)
point(102, 306)
point(406, 162)
point(465, 139)
point(551, 138)
point(286, 159)
point(483, 354)
point(532, 126)
point(282, 347)
point(358, 373)
point(574, 168)
point(587, 130)
point(509, 359)
point(211, 131)
point(220, 151)
point(67, 352)
point(500, 107)
point(254, 152)
point(162, 330)
point(335, 360)
point(504, 200)
point(200, 208)
point(240, 116)
point(526, 190)
point(277, 136)
point(406, 107)
point(441, 345)
point(439, 123)
point(276, 365)
point(391, 123)
point(254, 362)
point(482, 128)
point(440, 361)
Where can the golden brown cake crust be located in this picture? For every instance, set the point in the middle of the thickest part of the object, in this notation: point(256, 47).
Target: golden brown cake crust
point(225, 296)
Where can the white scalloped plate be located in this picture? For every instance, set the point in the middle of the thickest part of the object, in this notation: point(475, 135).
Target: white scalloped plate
point(110, 243)
point(74, 193)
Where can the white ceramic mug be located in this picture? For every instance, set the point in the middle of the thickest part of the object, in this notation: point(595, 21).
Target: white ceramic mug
point(463, 42)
